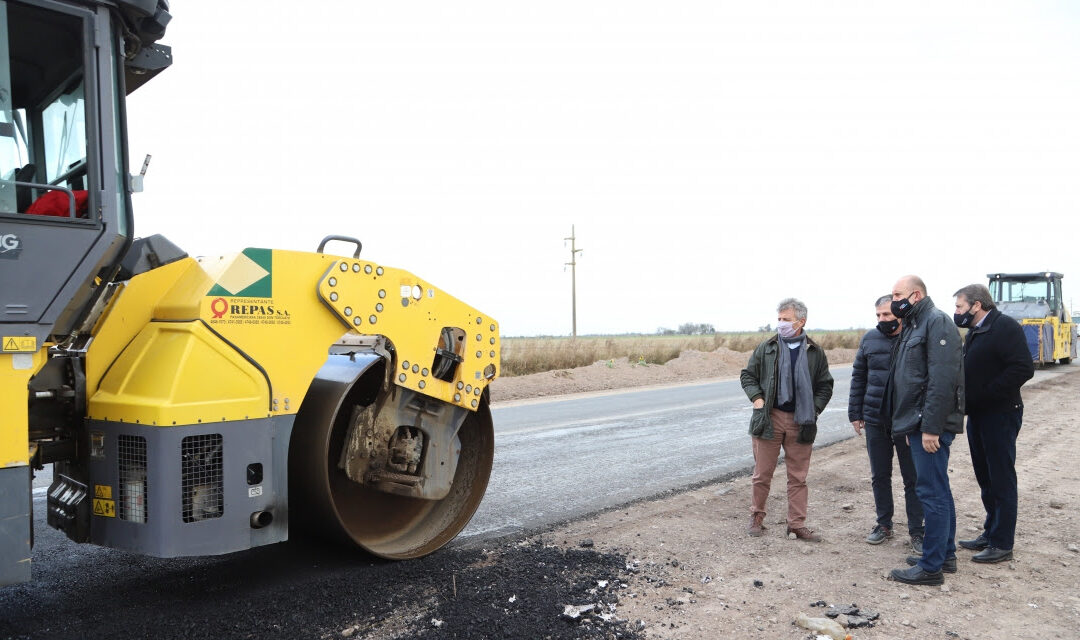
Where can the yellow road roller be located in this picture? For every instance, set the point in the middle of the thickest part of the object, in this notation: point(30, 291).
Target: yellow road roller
point(201, 406)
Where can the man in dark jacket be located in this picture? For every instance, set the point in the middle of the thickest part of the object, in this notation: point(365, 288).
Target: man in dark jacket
point(787, 379)
point(925, 396)
point(996, 364)
point(869, 375)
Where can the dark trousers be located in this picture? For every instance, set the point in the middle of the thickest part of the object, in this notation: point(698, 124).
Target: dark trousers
point(932, 487)
point(992, 440)
point(879, 446)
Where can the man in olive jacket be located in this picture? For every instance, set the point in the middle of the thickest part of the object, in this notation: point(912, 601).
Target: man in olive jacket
point(787, 379)
point(925, 395)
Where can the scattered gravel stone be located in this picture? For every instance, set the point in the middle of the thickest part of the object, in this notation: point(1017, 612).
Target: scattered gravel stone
point(573, 612)
point(587, 543)
point(819, 603)
point(1074, 548)
point(759, 583)
point(856, 622)
point(1056, 503)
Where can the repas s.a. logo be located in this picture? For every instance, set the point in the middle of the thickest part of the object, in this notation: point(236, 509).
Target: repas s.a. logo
point(10, 246)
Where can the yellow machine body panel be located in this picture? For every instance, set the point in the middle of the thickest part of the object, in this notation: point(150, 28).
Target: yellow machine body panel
point(130, 309)
point(192, 343)
point(1062, 332)
point(180, 373)
point(16, 369)
point(372, 299)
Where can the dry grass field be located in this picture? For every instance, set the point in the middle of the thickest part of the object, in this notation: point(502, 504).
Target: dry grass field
point(521, 356)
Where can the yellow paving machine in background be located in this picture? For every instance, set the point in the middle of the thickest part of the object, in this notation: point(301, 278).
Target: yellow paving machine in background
point(1035, 301)
point(204, 406)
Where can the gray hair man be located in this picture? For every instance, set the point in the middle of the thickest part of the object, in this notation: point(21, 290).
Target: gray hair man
point(869, 377)
point(787, 379)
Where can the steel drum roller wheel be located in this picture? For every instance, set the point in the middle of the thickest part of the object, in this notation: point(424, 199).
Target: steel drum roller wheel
point(324, 501)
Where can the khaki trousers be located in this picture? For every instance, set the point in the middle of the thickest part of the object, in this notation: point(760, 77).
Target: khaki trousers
point(796, 460)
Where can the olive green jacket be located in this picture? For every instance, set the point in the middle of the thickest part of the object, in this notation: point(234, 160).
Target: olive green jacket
point(759, 380)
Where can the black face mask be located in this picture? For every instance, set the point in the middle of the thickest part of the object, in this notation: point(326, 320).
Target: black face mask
point(888, 327)
point(963, 319)
point(901, 307)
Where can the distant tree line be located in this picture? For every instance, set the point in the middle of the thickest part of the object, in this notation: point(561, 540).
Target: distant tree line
point(688, 329)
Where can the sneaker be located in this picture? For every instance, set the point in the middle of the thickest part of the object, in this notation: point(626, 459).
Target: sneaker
point(802, 533)
point(949, 566)
point(916, 544)
point(756, 525)
point(879, 534)
point(916, 575)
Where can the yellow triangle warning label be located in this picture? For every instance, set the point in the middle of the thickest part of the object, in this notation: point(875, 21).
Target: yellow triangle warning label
point(19, 343)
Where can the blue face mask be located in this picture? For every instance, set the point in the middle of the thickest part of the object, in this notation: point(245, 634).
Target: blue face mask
point(785, 329)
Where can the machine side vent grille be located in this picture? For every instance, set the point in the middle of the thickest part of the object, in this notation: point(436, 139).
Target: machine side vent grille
point(131, 459)
point(201, 477)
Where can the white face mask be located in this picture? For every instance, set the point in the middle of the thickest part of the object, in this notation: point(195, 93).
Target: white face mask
point(785, 329)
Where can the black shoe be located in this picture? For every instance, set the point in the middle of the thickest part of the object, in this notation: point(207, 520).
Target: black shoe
point(916, 544)
point(878, 535)
point(915, 575)
point(992, 555)
point(978, 544)
point(949, 566)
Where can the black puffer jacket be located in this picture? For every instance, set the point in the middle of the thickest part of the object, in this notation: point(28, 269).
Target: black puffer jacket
point(996, 364)
point(869, 375)
point(926, 383)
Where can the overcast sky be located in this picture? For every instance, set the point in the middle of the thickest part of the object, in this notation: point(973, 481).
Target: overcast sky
point(714, 157)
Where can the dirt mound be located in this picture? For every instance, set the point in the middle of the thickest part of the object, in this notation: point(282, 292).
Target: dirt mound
point(690, 366)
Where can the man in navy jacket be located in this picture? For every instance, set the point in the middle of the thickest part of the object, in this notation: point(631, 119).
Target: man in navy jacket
point(996, 364)
point(869, 376)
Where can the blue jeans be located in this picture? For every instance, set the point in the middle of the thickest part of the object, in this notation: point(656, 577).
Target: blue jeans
point(932, 487)
point(992, 439)
point(879, 446)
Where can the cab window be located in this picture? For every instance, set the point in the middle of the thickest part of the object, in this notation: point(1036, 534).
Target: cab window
point(43, 115)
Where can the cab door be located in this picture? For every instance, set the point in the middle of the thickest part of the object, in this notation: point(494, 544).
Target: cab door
point(63, 215)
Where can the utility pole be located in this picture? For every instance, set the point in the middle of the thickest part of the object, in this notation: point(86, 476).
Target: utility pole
point(573, 277)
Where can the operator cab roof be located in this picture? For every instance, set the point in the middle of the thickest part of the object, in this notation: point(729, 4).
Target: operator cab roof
point(1026, 277)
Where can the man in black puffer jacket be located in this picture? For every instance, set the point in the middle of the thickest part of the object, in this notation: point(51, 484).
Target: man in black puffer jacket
point(925, 397)
point(869, 375)
point(996, 364)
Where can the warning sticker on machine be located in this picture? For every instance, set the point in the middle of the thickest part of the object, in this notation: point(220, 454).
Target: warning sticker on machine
point(260, 311)
point(18, 343)
point(104, 508)
point(103, 491)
